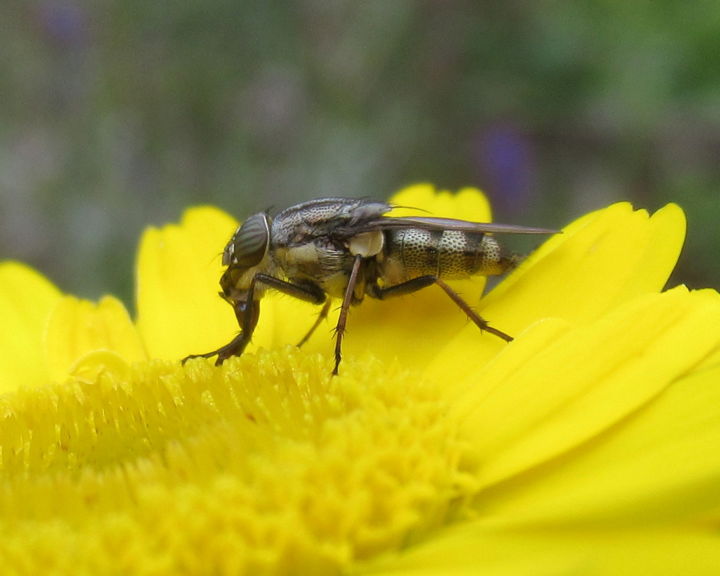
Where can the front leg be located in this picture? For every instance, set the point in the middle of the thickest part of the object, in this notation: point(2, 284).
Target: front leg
point(248, 314)
point(247, 311)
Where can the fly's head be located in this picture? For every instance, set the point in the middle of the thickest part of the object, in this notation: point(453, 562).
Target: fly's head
point(245, 255)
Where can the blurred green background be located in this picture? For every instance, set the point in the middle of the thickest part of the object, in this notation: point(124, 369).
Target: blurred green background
point(116, 115)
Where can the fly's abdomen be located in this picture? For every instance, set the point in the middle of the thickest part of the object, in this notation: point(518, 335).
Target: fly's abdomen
point(413, 252)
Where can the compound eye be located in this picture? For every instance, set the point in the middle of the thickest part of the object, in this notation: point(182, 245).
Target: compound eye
point(250, 243)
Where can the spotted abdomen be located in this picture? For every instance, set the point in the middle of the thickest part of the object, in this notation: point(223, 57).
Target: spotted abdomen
point(413, 252)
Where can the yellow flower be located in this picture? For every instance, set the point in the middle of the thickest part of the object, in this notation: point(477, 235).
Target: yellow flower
point(589, 445)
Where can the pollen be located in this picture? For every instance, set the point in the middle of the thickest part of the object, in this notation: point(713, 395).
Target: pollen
point(263, 464)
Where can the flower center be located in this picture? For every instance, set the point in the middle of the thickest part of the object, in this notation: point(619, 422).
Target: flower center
point(265, 463)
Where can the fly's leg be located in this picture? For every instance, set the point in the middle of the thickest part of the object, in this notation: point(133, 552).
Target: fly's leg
point(247, 312)
point(421, 282)
point(342, 319)
point(323, 314)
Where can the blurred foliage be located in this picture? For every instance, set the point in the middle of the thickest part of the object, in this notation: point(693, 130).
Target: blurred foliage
point(116, 115)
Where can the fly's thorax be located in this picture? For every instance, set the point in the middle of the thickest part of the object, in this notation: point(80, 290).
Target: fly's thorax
point(320, 218)
point(413, 252)
point(317, 241)
point(318, 261)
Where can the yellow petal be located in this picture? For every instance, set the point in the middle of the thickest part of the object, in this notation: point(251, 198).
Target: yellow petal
point(285, 320)
point(660, 464)
point(466, 204)
point(78, 328)
point(598, 262)
point(415, 328)
point(411, 329)
point(26, 299)
point(484, 548)
point(601, 260)
point(179, 267)
point(534, 403)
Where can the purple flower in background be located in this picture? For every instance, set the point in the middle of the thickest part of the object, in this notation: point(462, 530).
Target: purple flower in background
point(64, 22)
point(504, 159)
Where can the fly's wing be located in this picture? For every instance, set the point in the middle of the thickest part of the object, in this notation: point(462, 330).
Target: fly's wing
point(430, 223)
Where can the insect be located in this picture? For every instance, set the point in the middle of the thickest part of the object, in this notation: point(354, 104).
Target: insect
point(348, 249)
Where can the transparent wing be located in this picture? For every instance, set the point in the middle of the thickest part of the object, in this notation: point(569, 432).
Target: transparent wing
point(430, 223)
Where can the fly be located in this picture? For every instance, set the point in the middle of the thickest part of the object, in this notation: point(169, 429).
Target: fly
point(348, 249)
